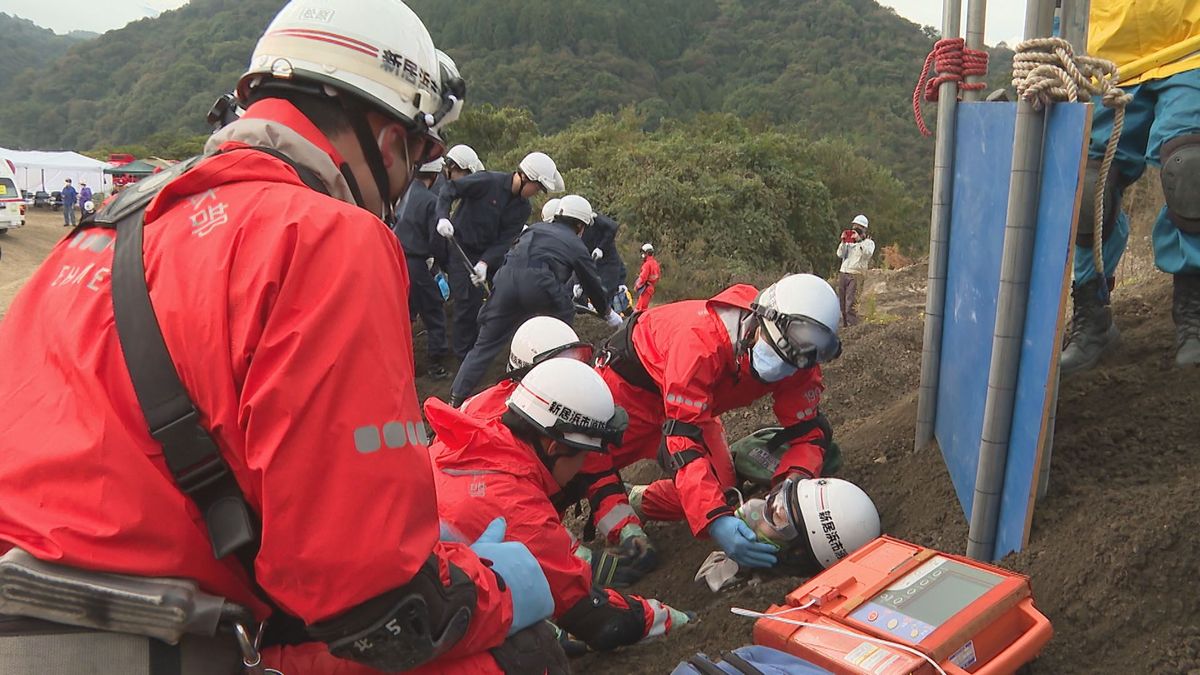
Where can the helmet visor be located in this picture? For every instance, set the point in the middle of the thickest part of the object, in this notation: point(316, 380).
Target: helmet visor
point(804, 340)
point(580, 351)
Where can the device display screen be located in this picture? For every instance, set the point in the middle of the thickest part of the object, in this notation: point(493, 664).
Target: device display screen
point(937, 592)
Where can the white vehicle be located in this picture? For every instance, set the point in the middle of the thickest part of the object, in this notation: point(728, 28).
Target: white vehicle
point(12, 204)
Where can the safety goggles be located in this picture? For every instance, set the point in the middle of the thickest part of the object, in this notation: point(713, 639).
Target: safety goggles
point(580, 351)
point(610, 432)
point(802, 341)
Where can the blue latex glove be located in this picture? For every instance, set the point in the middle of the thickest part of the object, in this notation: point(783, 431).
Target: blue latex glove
point(513, 563)
point(740, 543)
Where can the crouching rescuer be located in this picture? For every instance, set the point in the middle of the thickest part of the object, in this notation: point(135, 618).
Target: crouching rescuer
point(677, 368)
point(208, 405)
point(514, 463)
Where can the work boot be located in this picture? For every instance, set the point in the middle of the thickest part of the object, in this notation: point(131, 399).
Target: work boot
point(1186, 312)
point(437, 372)
point(1092, 329)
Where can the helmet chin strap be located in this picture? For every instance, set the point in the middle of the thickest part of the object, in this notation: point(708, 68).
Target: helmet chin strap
point(373, 157)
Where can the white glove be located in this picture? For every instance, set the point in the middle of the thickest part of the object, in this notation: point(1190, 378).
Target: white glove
point(623, 288)
point(577, 292)
point(479, 273)
point(613, 319)
point(597, 254)
point(445, 228)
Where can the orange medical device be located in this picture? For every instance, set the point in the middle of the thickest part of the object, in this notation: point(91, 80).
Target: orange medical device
point(966, 616)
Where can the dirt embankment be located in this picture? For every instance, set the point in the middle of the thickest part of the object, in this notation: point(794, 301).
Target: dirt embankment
point(1113, 553)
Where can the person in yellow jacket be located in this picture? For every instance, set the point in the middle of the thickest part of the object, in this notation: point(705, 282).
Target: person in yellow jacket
point(1162, 129)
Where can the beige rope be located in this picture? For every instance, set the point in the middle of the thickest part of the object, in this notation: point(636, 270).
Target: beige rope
point(1047, 70)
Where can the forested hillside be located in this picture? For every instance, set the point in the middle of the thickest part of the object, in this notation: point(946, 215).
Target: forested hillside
point(740, 132)
point(835, 67)
point(26, 46)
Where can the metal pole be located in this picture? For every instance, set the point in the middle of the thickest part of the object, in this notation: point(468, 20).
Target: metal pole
point(1019, 230)
point(939, 240)
point(1073, 23)
point(976, 16)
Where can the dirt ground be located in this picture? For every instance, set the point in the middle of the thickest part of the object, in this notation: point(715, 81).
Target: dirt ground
point(1113, 553)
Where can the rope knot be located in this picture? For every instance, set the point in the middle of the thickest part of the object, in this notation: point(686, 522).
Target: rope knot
point(953, 62)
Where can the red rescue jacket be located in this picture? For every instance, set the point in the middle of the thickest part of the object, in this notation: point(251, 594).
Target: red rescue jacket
point(285, 312)
point(687, 350)
point(484, 472)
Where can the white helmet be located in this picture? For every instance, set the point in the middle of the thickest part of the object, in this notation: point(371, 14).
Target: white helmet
point(571, 403)
point(377, 50)
point(549, 208)
point(647, 248)
point(465, 157)
point(799, 314)
point(839, 518)
point(537, 166)
point(432, 167)
point(544, 337)
point(861, 220)
point(574, 206)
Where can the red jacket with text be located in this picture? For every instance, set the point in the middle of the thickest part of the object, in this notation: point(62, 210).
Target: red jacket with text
point(285, 312)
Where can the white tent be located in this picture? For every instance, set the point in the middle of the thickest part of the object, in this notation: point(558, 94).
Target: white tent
point(37, 170)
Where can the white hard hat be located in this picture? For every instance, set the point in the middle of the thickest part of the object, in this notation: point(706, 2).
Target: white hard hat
point(538, 166)
point(574, 206)
point(839, 518)
point(549, 209)
point(432, 167)
point(571, 403)
point(465, 157)
point(647, 248)
point(860, 220)
point(537, 336)
point(800, 314)
point(377, 50)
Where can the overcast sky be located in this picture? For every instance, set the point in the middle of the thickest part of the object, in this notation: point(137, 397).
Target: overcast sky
point(1005, 17)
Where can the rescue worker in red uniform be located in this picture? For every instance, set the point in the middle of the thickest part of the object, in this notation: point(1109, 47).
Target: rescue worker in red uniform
point(284, 313)
point(676, 369)
point(515, 464)
point(647, 278)
point(538, 339)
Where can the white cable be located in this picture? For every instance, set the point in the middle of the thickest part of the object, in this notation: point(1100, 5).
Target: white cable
point(776, 616)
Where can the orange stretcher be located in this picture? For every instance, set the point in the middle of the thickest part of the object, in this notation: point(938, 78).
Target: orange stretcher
point(894, 608)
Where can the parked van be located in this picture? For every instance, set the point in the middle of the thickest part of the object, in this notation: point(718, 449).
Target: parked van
point(12, 204)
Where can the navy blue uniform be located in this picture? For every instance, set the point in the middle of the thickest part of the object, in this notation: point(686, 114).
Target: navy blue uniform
point(488, 218)
point(532, 282)
point(415, 227)
point(602, 234)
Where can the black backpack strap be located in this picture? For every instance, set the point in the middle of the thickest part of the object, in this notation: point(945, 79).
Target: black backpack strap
point(190, 452)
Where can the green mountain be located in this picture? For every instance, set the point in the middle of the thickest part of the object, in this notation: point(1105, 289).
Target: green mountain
point(836, 67)
point(153, 75)
point(27, 46)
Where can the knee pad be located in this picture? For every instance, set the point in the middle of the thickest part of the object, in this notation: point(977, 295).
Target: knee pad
point(1114, 189)
point(1181, 182)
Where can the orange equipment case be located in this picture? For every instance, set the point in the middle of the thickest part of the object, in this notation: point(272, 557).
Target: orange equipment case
point(967, 616)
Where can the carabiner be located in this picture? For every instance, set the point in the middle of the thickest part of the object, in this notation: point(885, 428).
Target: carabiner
point(251, 656)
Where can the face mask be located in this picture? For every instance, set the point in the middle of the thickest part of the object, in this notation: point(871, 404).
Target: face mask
point(768, 365)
